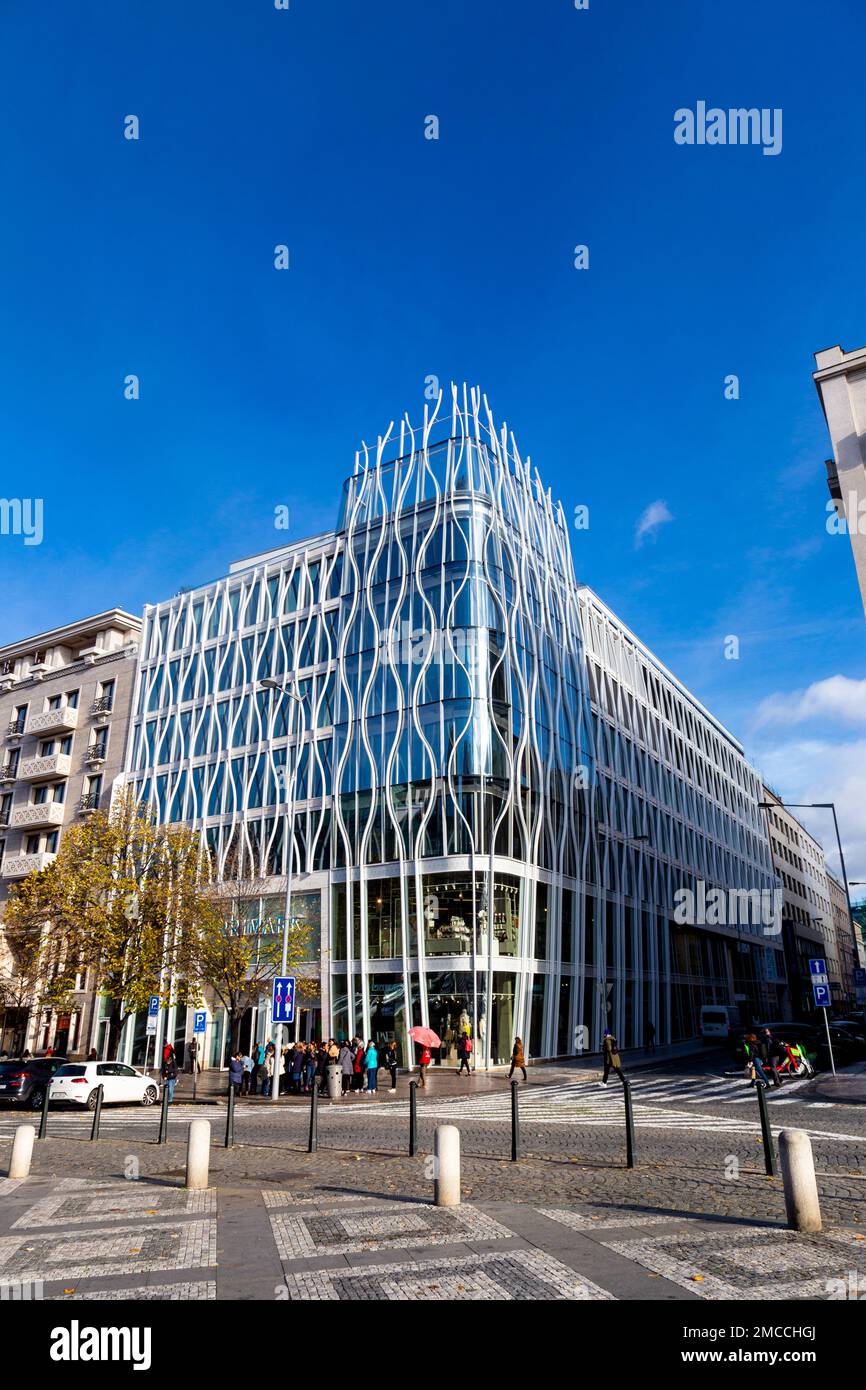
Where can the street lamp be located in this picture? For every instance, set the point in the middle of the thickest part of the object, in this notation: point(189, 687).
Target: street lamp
point(269, 684)
point(825, 806)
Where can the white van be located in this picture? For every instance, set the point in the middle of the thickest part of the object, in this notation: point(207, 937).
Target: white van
point(719, 1021)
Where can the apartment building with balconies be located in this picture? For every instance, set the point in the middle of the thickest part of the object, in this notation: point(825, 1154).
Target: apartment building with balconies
point(65, 698)
point(808, 925)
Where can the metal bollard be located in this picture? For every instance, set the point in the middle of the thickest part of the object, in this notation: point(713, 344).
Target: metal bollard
point(515, 1124)
point(163, 1118)
point(798, 1176)
point(766, 1133)
point(413, 1118)
point(22, 1151)
point(97, 1113)
point(198, 1154)
point(230, 1118)
point(313, 1141)
point(43, 1123)
point(446, 1181)
point(629, 1126)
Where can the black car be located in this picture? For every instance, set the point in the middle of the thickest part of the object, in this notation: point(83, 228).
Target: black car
point(22, 1080)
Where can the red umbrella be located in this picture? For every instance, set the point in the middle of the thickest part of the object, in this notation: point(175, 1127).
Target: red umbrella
point(425, 1036)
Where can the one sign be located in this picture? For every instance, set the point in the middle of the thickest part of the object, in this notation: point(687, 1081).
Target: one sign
point(818, 971)
point(153, 1006)
point(822, 996)
point(199, 1021)
point(151, 1025)
point(860, 978)
point(283, 1010)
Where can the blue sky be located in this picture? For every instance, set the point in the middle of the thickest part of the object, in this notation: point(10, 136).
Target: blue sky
point(453, 257)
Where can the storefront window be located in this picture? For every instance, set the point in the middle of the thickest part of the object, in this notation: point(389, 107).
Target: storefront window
point(388, 1014)
point(501, 1019)
point(450, 1006)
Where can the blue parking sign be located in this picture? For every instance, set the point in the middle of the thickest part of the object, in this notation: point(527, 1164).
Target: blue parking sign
point(283, 1010)
point(822, 996)
point(199, 1021)
point(153, 1006)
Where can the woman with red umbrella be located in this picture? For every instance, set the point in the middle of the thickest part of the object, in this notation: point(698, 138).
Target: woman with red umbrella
point(425, 1038)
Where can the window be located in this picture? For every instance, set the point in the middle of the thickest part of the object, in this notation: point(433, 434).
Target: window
point(98, 742)
point(104, 697)
point(18, 720)
point(53, 702)
point(5, 807)
point(72, 699)
point(10, 768)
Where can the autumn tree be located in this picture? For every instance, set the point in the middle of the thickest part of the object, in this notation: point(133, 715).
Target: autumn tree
point(120, 901)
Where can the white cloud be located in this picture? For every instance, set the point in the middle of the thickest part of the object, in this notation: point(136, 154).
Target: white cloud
point(816, 770)
point(836, 698)
point(655, 516)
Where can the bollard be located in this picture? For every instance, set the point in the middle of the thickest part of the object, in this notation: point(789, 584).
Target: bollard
point(163, 1118)
point(766, 1133)
point(230, 1118)
point(629, 1126)
point(197, 1154)
point(798, 1177)
point(22, 1151)
point(43, 1122)
point(446, 1181)
point(313, 1141)
point(97, 1114)
point(413, 1118)
point(515, 1124)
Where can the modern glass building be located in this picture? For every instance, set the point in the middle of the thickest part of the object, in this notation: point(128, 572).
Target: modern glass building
point(484, 790)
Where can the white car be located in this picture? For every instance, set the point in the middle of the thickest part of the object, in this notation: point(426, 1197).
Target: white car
point(78, 1082)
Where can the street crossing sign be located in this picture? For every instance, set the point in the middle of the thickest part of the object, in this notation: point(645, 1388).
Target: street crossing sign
point(199, 1021)
point(283, 1010)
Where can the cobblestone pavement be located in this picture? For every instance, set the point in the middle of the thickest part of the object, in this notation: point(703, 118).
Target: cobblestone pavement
point(696, 1219)
point(320, 1244)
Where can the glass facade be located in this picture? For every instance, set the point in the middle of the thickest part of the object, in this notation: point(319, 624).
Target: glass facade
point(486, 792)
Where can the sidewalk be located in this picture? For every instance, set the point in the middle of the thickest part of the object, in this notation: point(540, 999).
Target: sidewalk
point(212, 1085)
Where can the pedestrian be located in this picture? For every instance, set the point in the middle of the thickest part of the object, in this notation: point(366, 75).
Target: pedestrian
point(193, 1056)
point(236, 1074)
point(423, 1064)
point(347, 1068)
point(518, 1058)
point(168, 1071)
point(258, 1062)
point(297, 1068)
point(322, 1060)
point(371, 1066)
point(391, 1063)
point(310, 1064)
point(464, 1052)
point(775, 1054)
point(286, 1069)
point(650, 1036)
point(760, 1058)
point(612, 1059)
point(92, 1055)
point(269, 1071)
point(358, 1051)
point(247, 1064)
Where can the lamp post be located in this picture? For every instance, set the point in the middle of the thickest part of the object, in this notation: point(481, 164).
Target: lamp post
point(825, 806)
point(290, 837)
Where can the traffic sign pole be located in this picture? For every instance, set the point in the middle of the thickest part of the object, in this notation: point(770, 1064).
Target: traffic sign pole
point(829, 1042)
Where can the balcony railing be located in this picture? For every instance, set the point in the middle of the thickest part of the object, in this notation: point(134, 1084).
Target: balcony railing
point(15, 729)
point(8, 772)
point(43, 769)
point(96, 753)
point(19, 865)
point(102, 705)
point(53, 721)
point(90, 802)
point(43, 814)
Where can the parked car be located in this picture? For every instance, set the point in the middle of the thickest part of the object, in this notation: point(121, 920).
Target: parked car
point(78, 1082)
point(22, 1080)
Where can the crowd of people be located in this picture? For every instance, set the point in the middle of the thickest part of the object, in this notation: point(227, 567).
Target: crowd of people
point(303, 1066)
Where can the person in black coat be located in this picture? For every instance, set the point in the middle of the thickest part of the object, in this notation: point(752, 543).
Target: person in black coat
point(168, 1071)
